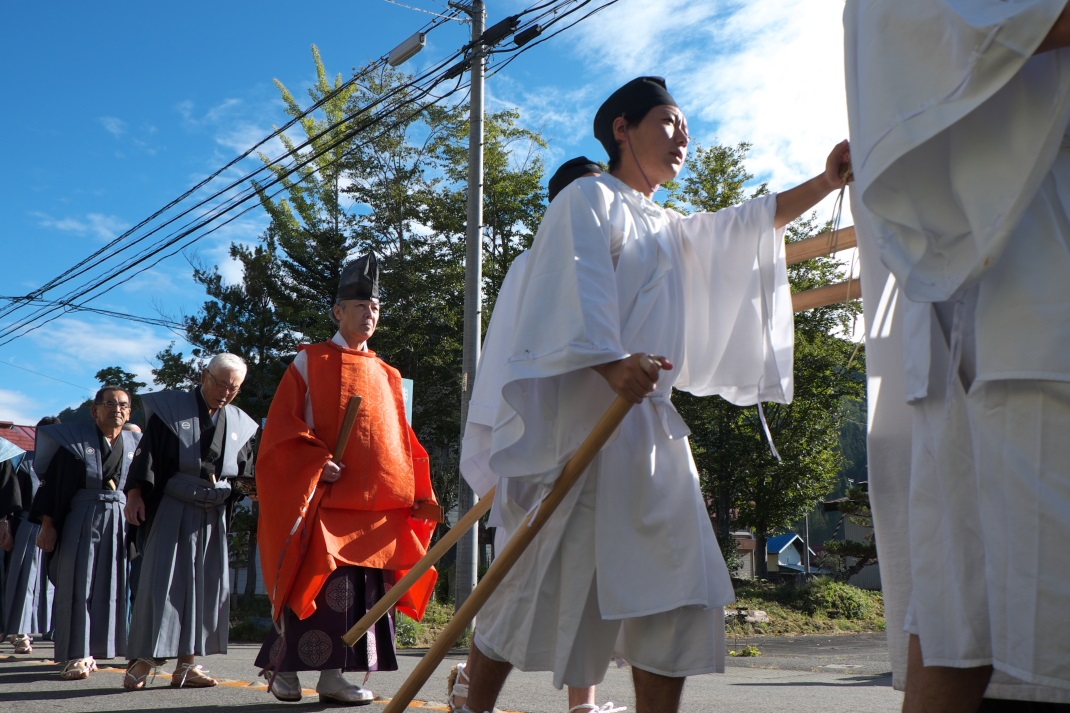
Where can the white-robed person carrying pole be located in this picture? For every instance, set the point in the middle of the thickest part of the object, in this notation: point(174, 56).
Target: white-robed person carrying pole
point(623, 297)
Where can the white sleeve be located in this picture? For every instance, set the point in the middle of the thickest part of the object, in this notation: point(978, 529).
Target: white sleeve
point(953, 125)
point(739, 329)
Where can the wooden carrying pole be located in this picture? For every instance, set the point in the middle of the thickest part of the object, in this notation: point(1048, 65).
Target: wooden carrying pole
point(312, 504)
point(347, 427)
point(827, 295)
point(510, 554)
point(433, 555)
point(820, 245)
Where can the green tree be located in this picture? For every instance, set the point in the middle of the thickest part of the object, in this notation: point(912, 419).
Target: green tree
point(175, 370)
point(112, 375)
point(849, 557)
point(512, 208)
point(120, 377)
point(513, 197)
point(311, 232)
point(238, 318)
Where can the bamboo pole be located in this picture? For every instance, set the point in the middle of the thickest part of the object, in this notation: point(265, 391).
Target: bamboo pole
point(433, 555)
point(510, 554)
point(821, 245)
point(312, 504)
point(827, 295)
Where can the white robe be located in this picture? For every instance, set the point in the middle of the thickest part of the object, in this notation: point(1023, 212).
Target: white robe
point(610, 274)
point(958, 164)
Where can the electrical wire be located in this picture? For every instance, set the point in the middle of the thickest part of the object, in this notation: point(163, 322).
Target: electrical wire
point(282, 168)
point(85, 264)
point(420, 9)
point(87, 292)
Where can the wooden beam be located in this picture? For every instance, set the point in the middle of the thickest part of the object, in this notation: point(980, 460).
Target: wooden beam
point(821, 245)
point(827, 295)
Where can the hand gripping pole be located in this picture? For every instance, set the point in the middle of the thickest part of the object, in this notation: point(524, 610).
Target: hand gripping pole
point(510, 554)
point(429, 560)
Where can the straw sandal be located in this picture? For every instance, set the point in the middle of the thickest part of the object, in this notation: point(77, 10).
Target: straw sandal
point(188, 675)
point(23, 643)
point(133, 681)
point(78, 669)
point(457, 687)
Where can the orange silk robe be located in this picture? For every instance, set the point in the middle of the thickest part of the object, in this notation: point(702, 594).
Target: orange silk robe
point(364, 517)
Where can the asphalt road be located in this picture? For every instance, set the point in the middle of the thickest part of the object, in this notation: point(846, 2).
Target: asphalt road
point(799, 674)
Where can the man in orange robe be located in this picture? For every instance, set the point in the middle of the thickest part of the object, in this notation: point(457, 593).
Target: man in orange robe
point(336, 527)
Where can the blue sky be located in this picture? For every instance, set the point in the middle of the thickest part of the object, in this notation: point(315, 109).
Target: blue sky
point(117, 108)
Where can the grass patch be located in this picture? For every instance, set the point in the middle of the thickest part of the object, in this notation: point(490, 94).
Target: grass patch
point(250, 622)
point(822, 606)
point(745, 651)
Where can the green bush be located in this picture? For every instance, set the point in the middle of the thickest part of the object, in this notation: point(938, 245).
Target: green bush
point(835, 600)
point(250, 630)
point(407, 631)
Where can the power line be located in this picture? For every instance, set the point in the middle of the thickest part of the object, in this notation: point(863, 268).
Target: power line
point(420, 9)
point(282, 168)
point(46, 376)
point(103, 253)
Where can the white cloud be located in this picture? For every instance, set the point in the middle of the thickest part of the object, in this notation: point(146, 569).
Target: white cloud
point(241, 136)
point(769, 72)
point(80, 347)
point(167, 278)
point(19, 408)
point(114, 126)
point(102, 227)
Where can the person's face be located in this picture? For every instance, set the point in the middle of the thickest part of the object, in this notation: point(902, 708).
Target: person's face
point(220, 389)
point(658, 143)
point(357, 320)
point(113, 412)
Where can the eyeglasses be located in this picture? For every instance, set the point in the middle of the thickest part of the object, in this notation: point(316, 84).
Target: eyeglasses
point(121, 405)
point(227, 388)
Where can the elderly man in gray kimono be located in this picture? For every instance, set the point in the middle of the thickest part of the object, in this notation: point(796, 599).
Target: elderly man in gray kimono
point(27, 590)
point(179, 494)
point(617, 292)
point(80, 506)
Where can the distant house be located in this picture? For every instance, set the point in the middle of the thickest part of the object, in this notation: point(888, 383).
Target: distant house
point(784, 554)
point(860, 530)
point(746, 546)
point(21, 436)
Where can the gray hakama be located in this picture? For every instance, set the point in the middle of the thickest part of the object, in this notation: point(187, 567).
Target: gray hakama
point(27, 590)
point(182, 607)
point(90, 562)
point(186, 460)
point(82, 492)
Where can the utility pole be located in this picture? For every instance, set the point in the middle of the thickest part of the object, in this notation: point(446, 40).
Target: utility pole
point(468, 547)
